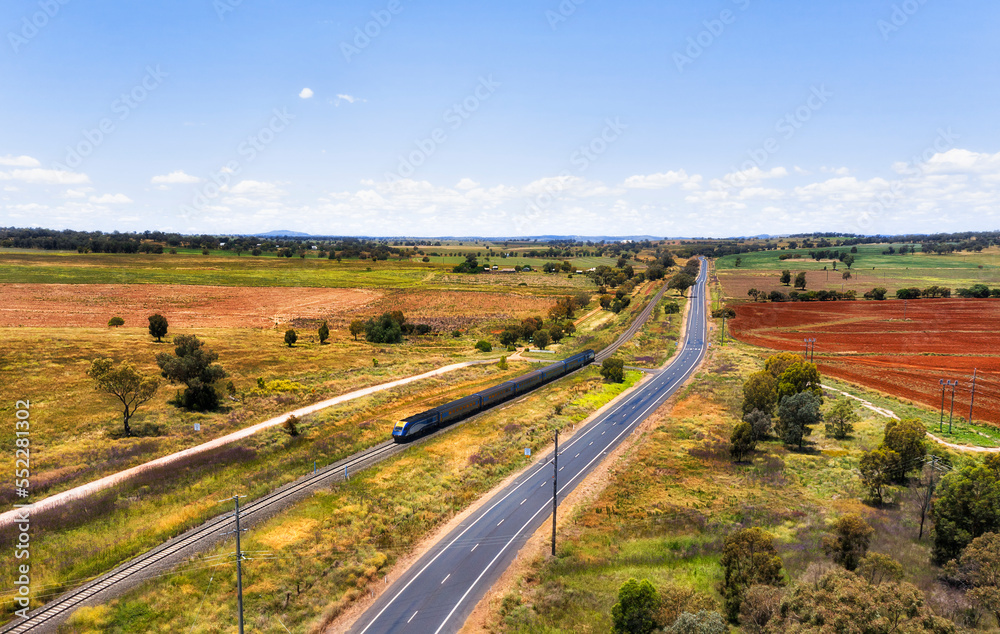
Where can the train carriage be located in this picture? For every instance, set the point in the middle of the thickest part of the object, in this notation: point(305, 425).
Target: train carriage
point(442, 415)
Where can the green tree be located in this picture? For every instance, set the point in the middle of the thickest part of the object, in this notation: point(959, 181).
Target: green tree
point(613, 370)
point(114, 322)
point(357, 327)
point(510, 335)
point(541, 338)
point(158, 326)
point(742, 442)
point(968, 505)
point(842, 601)
point(195, 367)
point(906, 437)
point(796, 416)
point(800, 377)
point(383, 329)
point(323, 333)
point(748, 558)
point(879, 293)
point(786, 277)
point(484, 346)
point(126, 384)
point(681, 282)
point(291, 337)
point(635, 611)
point(877, 468)
point(876, 568)
point(776, 364)
point(760, 423)
point(502, 364)
point(980, 569)
point(800, 280)
point(760, 392)
point(850, 541)
point(840, 419)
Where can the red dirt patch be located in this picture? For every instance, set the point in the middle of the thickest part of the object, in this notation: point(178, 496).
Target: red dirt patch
point(870, 343)
point(91, 305)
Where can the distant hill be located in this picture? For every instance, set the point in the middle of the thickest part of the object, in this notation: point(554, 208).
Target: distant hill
point(283, 233)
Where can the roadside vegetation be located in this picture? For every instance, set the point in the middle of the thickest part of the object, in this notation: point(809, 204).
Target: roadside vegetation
point(716, 519)
point(313, 561)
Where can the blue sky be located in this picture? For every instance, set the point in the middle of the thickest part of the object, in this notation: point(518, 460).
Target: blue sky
point(584, 117)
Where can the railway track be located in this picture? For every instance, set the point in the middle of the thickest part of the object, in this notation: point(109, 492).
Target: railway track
point(633, 328)
point(172, 552)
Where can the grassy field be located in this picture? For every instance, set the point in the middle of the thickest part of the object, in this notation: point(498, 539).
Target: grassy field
point(762, 269)
point(657, 341)
point(671, 501)
point(322, 555)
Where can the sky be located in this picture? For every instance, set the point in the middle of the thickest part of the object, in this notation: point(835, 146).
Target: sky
point(713, 118)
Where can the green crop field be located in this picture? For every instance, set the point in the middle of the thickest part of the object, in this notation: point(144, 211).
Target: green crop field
point(868, 256)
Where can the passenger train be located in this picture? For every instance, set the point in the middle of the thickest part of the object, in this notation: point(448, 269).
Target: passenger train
point(444, 415)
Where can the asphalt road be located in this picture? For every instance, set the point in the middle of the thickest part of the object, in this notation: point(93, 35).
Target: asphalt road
point(440, 590)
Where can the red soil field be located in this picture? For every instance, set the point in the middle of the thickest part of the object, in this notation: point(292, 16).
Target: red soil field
point(92, 305)
point(870, 343)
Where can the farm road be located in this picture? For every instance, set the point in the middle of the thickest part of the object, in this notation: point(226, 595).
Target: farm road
point(888, 413)
point(103, 483)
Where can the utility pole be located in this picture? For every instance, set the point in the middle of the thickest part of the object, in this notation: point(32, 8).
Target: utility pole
point(973, 399)
point(239, 562)
point(951, 414)
point(555, 490)
point(941, 421)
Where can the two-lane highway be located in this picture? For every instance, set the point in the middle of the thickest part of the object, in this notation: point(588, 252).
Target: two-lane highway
point(439, 591)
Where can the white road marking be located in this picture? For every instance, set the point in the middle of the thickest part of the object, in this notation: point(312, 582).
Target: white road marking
point(474, 547)
point(411, 618)
point(445, 578)
point(523, 501)
point(501, 522)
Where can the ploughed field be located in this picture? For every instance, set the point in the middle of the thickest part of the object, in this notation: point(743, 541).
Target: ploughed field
point(871, 343)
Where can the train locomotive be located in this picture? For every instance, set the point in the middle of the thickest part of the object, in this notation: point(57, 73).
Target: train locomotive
point(443, 415)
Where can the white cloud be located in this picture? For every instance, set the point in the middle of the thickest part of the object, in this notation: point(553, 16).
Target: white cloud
point(40, 176)
point(745, 178)
point(255, 188)
point(19, 161)
point(348, 99)
point(111, 199)
point(663, 180)
point(306, 93)
point(466, 183)
point(77, 193)
point(174, 178)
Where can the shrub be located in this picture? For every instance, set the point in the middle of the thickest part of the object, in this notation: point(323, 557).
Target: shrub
point(613, 370)
point(114, 322)
point(291, 337)
point(484, 346)
point(291, 425)
point(323, 333)
point(852, 536)
point(635, 611)
point(384, 329)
